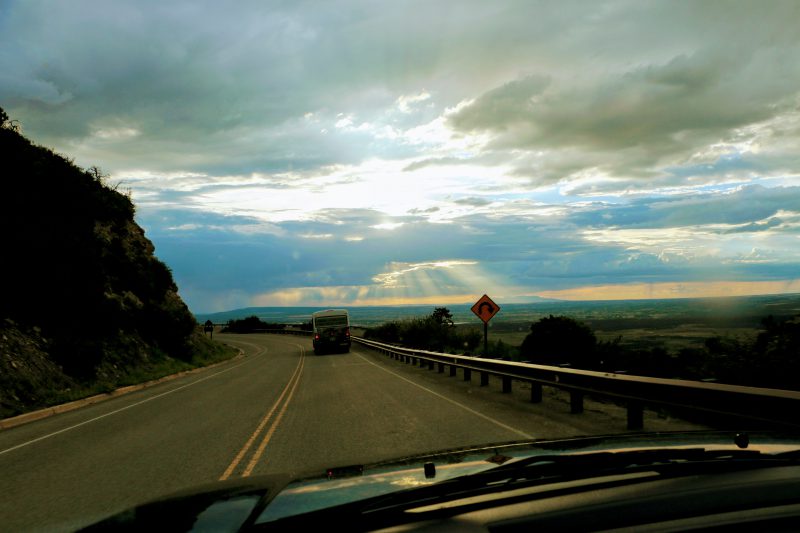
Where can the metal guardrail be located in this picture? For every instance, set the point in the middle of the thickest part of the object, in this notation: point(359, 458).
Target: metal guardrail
point(771, 406)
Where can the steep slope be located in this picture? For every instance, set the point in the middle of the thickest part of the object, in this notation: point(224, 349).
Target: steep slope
point(81, 282)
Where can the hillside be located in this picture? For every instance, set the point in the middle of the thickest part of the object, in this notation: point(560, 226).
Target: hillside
point(85, 305)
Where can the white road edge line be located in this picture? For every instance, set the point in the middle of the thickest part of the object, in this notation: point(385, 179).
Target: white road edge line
point(43, 437)
point(474, 412)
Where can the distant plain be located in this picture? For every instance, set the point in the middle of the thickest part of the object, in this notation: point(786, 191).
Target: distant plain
point(672, 323)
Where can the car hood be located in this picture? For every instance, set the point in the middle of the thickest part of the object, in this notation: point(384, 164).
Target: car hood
point(236, 504)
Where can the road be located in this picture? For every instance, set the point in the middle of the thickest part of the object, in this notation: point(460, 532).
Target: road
point(278, 409)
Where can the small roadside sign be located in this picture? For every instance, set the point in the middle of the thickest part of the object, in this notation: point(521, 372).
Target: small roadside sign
point(485, 309)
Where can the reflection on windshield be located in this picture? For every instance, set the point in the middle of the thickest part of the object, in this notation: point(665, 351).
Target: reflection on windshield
point(310, 495)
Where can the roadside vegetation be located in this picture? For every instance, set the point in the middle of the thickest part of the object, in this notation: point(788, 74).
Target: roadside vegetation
point(768, 360)
point(69, 389)
point(251, 324)
point(435, 332)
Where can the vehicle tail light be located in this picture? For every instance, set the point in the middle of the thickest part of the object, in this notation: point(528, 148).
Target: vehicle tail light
point(316, 336)
point(346, 332)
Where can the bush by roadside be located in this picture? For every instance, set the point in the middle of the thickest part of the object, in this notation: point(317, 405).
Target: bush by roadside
point(31, 380)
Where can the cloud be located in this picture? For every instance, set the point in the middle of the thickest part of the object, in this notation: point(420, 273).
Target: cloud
point(765, 225)
point(503, 108)
point(742, 209)
point(416, 165)
point(475, 202)
point(429, 210)
point(405, 103)
point(293, 153)
point(392, 278)
point(632, 121)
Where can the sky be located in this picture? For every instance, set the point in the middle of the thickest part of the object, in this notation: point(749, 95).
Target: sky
point(371, 153)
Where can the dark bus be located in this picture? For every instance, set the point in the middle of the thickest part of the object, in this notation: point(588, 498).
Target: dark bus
point(331, 330)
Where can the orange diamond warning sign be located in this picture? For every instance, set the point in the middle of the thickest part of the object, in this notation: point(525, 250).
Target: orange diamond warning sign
point(485, 308)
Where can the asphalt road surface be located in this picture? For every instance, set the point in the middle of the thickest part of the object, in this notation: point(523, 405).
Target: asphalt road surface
point(278, 409)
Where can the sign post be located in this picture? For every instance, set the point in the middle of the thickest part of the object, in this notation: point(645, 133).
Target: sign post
point(485, 309)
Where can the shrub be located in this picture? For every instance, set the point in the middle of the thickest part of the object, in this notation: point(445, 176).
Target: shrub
point(560, 340)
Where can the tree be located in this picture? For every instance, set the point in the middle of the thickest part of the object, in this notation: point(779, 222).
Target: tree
point(441, 325)
point(560, 340)
point(6, 123)
point(442, 316)
point(774, 357)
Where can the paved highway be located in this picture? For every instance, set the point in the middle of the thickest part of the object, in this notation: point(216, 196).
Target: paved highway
point(277, 409)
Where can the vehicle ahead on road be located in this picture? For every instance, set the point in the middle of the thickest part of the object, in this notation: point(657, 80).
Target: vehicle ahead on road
point(330, 330)
point(657, 482)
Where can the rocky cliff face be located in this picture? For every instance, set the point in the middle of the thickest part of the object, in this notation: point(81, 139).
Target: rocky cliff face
point(27, 373)
point(84, 297)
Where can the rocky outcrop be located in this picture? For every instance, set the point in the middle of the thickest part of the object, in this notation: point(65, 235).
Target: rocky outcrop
point(27, 373)
point(84, 297)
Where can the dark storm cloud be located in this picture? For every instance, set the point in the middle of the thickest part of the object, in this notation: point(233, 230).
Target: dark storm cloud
point(628, 121)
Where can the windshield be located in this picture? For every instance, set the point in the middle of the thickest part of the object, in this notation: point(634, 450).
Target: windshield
point(330, 321)
point(544, 220)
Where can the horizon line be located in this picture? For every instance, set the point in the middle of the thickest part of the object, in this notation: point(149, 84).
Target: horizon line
point(500, 302)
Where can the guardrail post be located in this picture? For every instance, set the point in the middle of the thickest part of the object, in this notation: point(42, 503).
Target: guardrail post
point(441, 367)
point(536, 393)
point(575, 402)
point(430, 365)
point(506, 385)
point(484, 379)
point(467, 374)
point(453, 370)
point(635, 415)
